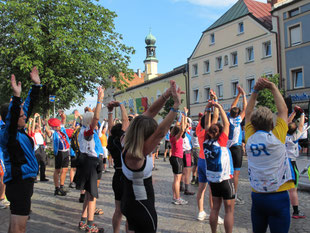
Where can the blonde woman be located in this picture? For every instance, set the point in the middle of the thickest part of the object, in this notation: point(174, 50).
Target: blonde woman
point(142, 136)
point(86, 175)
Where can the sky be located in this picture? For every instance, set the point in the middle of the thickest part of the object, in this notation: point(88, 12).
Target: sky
point(176, 24)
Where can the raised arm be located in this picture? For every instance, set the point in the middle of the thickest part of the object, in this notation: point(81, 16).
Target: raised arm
point(164, 126)
point(291, 117)
point(208, 115)
point(30, 126)
point(98, 107)
point(216, 110)
point(158, 104)
point(110, 107)
point(125, 121)
point(63, 117)
point(34, 123)
point(244, 102)
point(223, 116)
point(251, 104)
point(278, 98)
point(236, 100)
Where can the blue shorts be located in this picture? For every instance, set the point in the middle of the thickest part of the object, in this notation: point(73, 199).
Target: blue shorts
point(201, 170)
point(271, 209)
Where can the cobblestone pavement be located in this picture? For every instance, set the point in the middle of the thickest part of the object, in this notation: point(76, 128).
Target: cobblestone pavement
point(61, 214)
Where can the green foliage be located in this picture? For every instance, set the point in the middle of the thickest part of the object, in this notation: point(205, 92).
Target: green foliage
point(168, 105)
point(72, 42)
point(265, 97)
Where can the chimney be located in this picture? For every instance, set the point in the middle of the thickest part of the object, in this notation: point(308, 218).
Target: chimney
point(139, 73)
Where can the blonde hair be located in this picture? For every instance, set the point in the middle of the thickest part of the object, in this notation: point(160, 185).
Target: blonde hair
point(140, 129)
point(262, 119)
point(87, 118)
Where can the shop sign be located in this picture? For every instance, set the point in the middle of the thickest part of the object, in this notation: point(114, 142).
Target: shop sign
point(300, 97)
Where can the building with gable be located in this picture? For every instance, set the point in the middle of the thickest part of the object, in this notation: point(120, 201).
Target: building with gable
point(236, 49)
point(291, 20)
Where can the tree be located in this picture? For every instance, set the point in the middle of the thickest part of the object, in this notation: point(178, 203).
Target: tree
point(265, 97)
point(166, 109)
point(72, 42)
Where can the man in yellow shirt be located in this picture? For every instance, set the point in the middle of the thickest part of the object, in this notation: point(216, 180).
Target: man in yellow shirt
point(268, 166)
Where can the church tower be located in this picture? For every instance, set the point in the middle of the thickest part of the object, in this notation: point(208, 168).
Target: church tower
point(150, 62)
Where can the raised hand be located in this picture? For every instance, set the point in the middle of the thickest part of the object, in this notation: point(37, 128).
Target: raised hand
point(100, 94)
point(240, 90)
point(17, 88)
point(212, 94)
point(35, 76)
point(176, 94)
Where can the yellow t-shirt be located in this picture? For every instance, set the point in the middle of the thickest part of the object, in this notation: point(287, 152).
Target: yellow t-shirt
point(104, 140)
point(279, 131)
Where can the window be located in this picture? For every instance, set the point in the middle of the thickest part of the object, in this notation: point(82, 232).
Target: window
point(219, 64)
point(207, 93)
point(251, 84)
point(196, 96)
point(225, 60)
point(235, 88)
point(220, 91)
point(293, 12)
point(297, 78)
point(195, 70)
point(212, 38)
point(240, 28)
point(249, 54)
point(234, 59)
point(267, 49)
point(295, 35)
point(268, 75)
point(207, 66)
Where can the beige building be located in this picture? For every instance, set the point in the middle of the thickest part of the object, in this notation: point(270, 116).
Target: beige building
point(235, 50)
point(137, 98)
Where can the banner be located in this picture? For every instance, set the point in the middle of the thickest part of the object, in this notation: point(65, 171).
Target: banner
point(131, 106)
point(141, 104)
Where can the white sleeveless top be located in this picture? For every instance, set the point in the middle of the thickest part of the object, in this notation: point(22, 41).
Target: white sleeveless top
point(291, 143)
point(137, 177)
point(87, 145)
point(268, 164)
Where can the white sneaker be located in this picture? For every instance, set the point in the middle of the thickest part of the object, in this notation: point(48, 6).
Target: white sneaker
point(6, 202)
point(2, 205)
point(220, 220)
point(180, 202)
point(202, 216)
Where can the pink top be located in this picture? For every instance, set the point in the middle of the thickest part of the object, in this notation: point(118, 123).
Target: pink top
point(176, 147)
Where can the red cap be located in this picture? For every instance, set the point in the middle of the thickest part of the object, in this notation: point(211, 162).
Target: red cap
point(200, 114)
point(54, 122)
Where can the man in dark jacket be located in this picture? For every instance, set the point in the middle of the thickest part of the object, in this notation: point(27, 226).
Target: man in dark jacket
point(21, 166)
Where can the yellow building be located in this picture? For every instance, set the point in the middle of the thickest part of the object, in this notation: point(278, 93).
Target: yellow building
point(235, 50)
point(150, 90)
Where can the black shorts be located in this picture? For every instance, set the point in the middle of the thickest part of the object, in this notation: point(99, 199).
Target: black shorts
point(117, 184)
point(87, 174)
point(303, 142)
point(177, 164)
point(62, 159)
point(195, 153)
point(100, 166)
point(236, 154)
point(19, 194)
point(167, 145)
point(73, 161)
point(225, 189)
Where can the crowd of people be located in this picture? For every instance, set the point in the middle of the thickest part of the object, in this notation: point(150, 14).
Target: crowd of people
point(207, 153)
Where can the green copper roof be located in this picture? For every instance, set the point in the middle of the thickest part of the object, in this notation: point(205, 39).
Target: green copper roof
point(236, 11)
point(150, 39)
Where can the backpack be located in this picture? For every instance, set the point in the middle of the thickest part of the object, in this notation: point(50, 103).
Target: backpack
point(74, 140)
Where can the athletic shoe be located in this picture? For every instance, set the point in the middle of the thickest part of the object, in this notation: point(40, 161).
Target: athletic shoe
point(2, 205)
point(202, 216)
point(82, 225)
point(44, 180)
point(5, 202)
point(239, 201)
point(298, 215)
point(193, 181)
point(220, 220)
point(71, 185)
point(60, 192)
point(173, 200)
point(186, 192)
point(180, 202)
point(93, 228)
point(164, 159)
